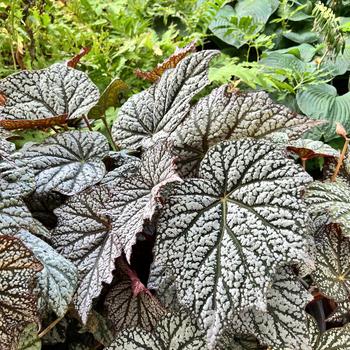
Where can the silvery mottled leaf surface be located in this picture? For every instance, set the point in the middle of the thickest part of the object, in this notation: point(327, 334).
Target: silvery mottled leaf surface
point(47, 93)
point(58, 279)
point(91, 241)
point(284, 325)
point(224, 115)
point(307, 149)
point(342, 311)
point(69, 162)
point(130, 304)
point(156, 112)
point(332, 198)
point(134, 197)
point(332, 273)
point(18, 269)
point(173, 332)
point(226, 233)
point(29, 339)
point(332, 339)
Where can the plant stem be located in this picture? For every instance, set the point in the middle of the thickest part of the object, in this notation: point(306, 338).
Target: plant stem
point(341, 159)
point(104, 120)
point(87, 122)
point(303, 163)
point(49, 327)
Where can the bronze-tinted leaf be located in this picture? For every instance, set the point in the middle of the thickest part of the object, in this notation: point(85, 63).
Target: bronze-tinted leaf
point(76, 59)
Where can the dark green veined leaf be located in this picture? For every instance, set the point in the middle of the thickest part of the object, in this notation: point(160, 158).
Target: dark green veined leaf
point(332, 198)
point(29, 339)
point(69, 162)
point(305, 52)
point(174, 331)
point(109, 98)
point(222, 115)
point(156, 112)
point(308, 149)
point(322, 102)
point(58, 279)
point(284, 324)
point(40, 98)
point(100, 328)
point(230, 341)
point(226, 233)
point(130, 304)
point(17, 301)
point(332, 339)
point(332, 273)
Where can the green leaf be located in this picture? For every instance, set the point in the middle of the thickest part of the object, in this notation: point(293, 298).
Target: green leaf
point(29, 339)
point(260, 10)
point(109, 98)
point(322, 102)
point(301, 37)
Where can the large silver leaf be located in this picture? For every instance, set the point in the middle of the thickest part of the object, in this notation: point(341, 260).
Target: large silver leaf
point(284, 325)
point(130, 304)
point(17, 302)
point(332, 339)
point(69, 162)
point(224, 115)
point(135, 196)
point(91, 241)
point(226, 234)
point(173, 332)
point(58, 279)
point(45, 94)
point(332, 273)
point(333, 198)
point(156, 112)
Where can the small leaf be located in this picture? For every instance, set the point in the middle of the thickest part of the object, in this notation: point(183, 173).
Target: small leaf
point(334, 338)
point(109, 98)
point(170, 62)
point(340, 130)
point(308, 149)
point(29, 339)
point(68, 162)
point(17, 301)
point(46, 97)
point(3, 99)
point(156, 112)
point(73, 62)
point(226, 233)
point(332, 198)
point(174, 331)
point(130, 304)
point(58, 279)
point(332, 274)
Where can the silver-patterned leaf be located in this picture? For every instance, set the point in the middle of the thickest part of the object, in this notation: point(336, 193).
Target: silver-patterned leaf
point(69, 162)
point(226, 233)
point(130, 304)
point(29, 339)
point(224, 115)
point(18, 268)
point(47, 93)
point(58, 279)
point(284, 325)
point(135, 196)
point(173, 332)
point(332, 198)
point(307, 149)
point(332, 273)
point(91, 241)
point(156, 112)
point(332, 339)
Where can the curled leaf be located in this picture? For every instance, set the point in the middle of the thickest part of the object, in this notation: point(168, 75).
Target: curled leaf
point(73, 62)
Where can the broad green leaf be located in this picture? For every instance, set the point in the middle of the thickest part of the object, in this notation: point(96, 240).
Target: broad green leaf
point(308, 149)
point(174, 331)
point(58, 279)
point(284, 324)
point(156, 112)
point(332, 198)
point(322, 102)
point(130, 304)
point(226, 233)
point(305, 52)
point(109, 98)
point(332, 339)
point(39, 98)
point(29, 339)
point(332, 273)
point(340, 65)
point(69, 162)
point(302, 36)
point(223, 115)
point(17, 300)
point(260, 11)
